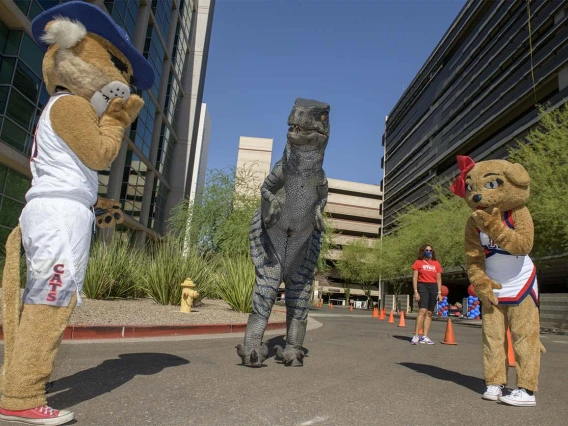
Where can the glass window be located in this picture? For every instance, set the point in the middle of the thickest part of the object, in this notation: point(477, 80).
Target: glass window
point(43, 97)
point(20, 110)
point(13, 135)
point(3, 98)
point(4, 232)
point(48, 4)
point(3, 169)
point(16, 186)
point(13, 42)
point(26, 82)
point(24, 5)
point(6, 70)
point(34, 10)
point(31, 54)
point(10, 212)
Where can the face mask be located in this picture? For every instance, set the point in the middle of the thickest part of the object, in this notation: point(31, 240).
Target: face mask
point(428, 254)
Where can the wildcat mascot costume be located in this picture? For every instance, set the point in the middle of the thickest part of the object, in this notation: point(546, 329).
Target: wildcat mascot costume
point(498, 239)
point(88, 68)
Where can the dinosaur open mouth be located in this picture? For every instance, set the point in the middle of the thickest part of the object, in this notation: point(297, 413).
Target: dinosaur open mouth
point(301, 130)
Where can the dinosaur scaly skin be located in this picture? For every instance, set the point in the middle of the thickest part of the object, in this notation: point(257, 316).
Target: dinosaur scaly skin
point(286, 233)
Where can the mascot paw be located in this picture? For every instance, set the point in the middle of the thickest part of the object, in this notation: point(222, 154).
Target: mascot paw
point(252, 357)
point(318, 220)
point(289, 355)
point(123, 113)
point(108, 213)
point(272, 215)
point(484, 291)
point(488, 223)
point(133, 106)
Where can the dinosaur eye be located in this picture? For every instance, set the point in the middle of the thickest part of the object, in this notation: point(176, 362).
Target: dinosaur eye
point(467, 187)
point(492, 185)
point(324, 116)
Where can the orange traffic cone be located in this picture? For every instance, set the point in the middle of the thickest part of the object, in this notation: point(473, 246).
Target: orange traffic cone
point(330, 305)
point(449, 338)
point(510, 351)
point(382, 316)
point(350, 307)
point(375, 313)
point(391, 318)
point(421, 332)
point(402, 323)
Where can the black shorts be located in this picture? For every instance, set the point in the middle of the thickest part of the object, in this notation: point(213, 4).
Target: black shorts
point(428, 294)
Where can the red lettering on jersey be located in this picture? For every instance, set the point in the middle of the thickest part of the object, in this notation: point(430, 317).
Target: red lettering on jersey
point(55, 282)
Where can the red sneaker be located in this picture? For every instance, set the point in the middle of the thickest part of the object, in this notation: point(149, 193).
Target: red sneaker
point(37, 416)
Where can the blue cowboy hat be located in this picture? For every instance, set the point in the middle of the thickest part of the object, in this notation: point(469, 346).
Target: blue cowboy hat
point(98, 22)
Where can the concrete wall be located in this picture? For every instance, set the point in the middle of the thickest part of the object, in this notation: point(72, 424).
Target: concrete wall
point(554, 310)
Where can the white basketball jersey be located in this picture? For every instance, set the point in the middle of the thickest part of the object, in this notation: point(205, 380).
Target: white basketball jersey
point(56, 171)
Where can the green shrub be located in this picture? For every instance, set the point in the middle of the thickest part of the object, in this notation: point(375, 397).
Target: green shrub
point(113, 270)
point(235, 282)
point(166, 268)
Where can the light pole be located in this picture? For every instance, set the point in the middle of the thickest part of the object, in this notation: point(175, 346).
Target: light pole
point(381, 286)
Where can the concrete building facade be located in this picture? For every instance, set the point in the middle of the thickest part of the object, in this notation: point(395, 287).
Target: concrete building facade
point(154, 169)
point(201, 153)
point(354, 209)
point(255, 156)
point(475, 95)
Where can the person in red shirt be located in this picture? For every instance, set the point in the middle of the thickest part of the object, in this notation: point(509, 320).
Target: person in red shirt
point(427, 283)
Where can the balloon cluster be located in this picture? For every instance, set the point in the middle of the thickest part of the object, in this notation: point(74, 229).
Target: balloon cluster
point(473, 307)
point(443, 307)
point(473, 304)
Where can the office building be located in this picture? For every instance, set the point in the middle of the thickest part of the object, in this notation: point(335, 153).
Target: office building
point(154, 169)
point(475, 95)
point(201, 153)
point(254, 158)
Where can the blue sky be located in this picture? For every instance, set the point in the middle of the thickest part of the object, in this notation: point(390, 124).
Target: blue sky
point(357, 55)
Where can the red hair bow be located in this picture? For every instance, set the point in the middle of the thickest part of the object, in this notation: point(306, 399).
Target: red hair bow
point(465, 164)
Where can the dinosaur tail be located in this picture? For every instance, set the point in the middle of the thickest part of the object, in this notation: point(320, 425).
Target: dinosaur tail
point(11, 296)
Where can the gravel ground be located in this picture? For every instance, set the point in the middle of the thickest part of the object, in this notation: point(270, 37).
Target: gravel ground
point(148, 312)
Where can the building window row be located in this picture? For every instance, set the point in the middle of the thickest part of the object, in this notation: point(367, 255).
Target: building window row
point(13, 188)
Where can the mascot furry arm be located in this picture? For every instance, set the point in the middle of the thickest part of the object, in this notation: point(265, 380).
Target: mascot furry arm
point(88, 68)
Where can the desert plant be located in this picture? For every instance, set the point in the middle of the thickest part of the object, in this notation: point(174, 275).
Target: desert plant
point(235, 282)
point(112, 271)
point(166, 268)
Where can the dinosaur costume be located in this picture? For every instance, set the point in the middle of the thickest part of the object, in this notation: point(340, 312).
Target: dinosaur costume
point(286, 233)
point(498, 238)
point(88, 66)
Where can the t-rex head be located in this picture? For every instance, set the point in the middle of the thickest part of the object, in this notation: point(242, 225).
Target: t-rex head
point(88, 54)
point(309, 124)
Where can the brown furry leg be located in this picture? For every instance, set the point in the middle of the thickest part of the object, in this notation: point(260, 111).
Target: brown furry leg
point(525, 333)
point(11, 297)
point(495, 344)
point(39, 336)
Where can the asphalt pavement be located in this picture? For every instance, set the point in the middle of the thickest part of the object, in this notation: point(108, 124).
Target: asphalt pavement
point(358, 371)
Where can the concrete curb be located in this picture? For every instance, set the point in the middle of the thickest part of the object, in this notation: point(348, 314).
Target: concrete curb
point(96, 332)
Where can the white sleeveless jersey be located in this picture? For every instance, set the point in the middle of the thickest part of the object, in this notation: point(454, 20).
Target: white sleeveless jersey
point(517, 274)
point(56, 171)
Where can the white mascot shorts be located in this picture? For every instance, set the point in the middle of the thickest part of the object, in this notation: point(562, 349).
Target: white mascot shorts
point(56, 235)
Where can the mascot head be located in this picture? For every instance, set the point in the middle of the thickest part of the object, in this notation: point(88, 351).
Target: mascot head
point(88, 54)
point(491, 183)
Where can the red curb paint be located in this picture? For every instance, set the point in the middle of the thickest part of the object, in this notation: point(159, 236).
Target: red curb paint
point(94, 332)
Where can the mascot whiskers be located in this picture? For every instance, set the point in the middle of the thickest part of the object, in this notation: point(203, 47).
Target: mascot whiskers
point(88, 69)
point(498, 239)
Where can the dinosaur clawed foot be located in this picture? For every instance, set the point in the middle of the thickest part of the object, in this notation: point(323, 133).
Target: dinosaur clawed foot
point(289, 355)
point(253, 357)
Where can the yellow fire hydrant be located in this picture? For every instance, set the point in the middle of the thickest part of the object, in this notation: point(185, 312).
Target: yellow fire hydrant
point(188, 295)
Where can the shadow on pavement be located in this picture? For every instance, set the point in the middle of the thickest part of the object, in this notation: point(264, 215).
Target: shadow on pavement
point(281, 341)
point(407, 338)
point(473, 383)
point(108, 376)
